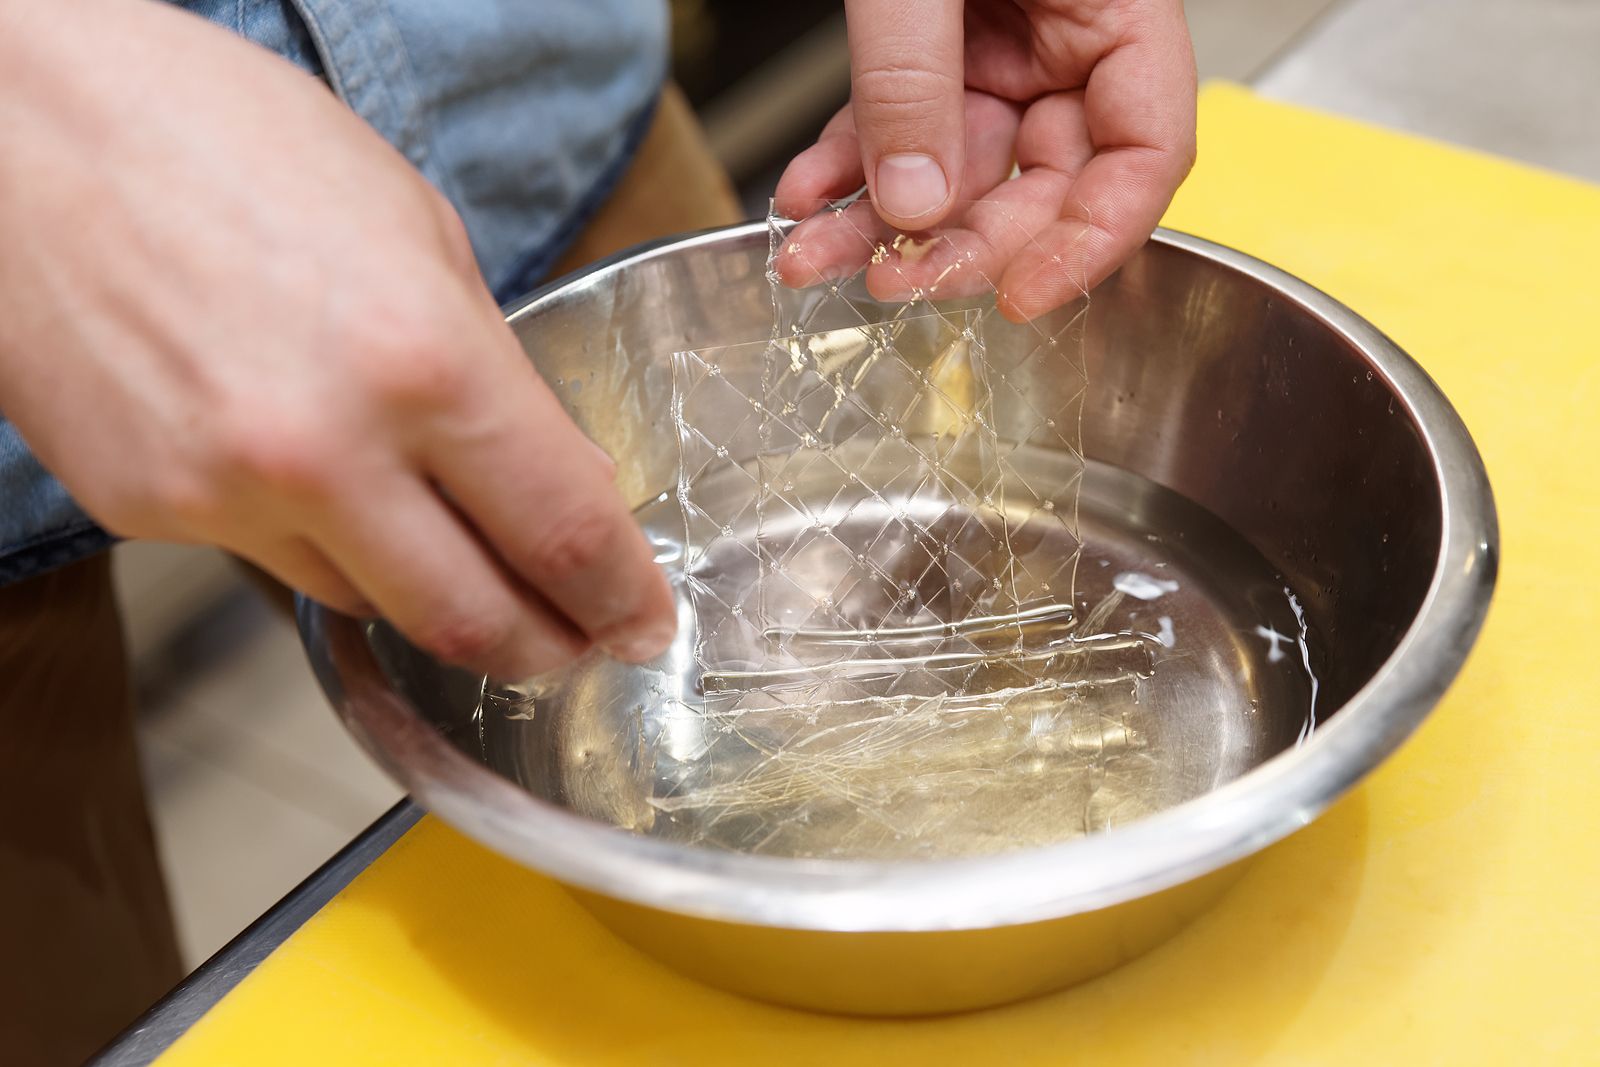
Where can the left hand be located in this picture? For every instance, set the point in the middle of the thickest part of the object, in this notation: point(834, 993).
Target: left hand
point(1093, 100)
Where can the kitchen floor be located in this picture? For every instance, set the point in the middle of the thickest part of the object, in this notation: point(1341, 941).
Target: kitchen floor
point(254, 783)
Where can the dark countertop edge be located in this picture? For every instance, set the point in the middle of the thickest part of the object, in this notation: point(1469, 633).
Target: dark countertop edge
point(170, 1017)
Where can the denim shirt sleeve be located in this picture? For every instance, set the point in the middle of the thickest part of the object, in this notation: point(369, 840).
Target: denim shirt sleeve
point(524, 113)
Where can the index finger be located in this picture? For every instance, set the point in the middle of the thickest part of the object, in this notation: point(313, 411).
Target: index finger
point(909, 105)
point(541, 494)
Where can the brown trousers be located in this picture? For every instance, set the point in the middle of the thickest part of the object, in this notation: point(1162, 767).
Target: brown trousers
point(86, 937)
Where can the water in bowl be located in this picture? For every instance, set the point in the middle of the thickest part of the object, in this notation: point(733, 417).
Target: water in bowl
point(1190, 663)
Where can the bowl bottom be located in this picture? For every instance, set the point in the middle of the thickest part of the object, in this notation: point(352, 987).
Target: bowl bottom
point(1204, 668)
point(905, 974)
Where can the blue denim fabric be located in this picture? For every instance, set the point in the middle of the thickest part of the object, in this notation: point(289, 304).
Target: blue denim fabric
point(523, 112)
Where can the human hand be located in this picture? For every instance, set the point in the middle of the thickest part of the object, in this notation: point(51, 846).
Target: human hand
point(1093, 100)
point(231, 313)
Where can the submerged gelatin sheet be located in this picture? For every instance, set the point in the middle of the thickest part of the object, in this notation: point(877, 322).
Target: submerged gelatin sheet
point(879, 506)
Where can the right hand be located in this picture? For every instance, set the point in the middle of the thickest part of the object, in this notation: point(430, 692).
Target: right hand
point(231, 313)
point(1092, 100)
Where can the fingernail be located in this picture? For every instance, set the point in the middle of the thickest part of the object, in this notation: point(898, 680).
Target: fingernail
point(641, 647)
point(910, 185)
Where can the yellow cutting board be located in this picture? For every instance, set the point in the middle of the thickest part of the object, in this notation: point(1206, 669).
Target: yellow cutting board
point(1447, 912)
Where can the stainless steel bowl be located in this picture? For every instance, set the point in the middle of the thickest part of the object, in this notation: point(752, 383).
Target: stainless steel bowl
point(1214, 380)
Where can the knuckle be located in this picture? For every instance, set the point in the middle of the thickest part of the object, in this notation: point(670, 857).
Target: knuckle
point(898, 90)
point(401, 352)
point(580, 540)
point(284, 456)
point(419, 375)
point(194, 504)
point(468, 637)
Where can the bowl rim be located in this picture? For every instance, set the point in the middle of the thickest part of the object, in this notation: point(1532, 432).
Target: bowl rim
point(1038, 884)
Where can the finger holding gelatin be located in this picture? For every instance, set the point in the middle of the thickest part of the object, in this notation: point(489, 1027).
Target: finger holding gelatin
point(830, 245)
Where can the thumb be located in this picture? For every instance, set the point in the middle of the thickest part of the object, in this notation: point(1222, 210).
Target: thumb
point(907, 96)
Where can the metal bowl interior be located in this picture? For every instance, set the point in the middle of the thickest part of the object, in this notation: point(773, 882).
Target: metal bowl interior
point(1275, 412)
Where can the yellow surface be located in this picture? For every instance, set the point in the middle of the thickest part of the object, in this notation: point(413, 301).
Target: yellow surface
point(1446, 912)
